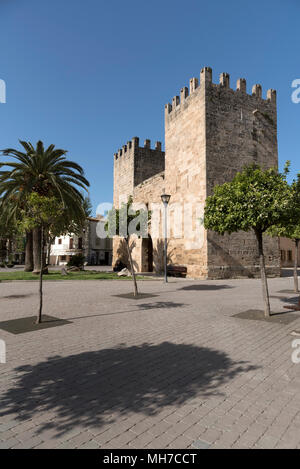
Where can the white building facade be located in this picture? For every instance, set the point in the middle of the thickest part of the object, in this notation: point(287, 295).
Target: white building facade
point(96, 249)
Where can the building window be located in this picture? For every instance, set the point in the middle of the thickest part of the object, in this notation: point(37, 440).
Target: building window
point(282, 255)
point(290, 255)
point(59, 241)
point(71, 244)
point(63, 258)
point(79, 243)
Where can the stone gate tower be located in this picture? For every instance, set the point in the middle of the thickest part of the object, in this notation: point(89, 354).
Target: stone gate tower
point(211, 132)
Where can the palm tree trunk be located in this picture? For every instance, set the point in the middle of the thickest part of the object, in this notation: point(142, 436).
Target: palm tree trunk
point(39, 316)
point(37, 250)
point(265, 289)
point(296, 284)
point(28, 252)
point(135, 293)
point(8, 250)
point(2, 250)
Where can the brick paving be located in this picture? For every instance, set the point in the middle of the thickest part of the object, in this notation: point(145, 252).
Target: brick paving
point(172, 371)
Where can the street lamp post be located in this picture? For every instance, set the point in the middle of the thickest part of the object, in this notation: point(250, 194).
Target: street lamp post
point(165, 200)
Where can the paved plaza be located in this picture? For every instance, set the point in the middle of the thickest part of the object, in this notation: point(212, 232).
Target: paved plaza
point(170, 370)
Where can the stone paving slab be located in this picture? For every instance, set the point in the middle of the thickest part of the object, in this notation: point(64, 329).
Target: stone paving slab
point(171, 370)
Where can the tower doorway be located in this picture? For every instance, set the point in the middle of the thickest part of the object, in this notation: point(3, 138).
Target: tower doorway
point(147, 254)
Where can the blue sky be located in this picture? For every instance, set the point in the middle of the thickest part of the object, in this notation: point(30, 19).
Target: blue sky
point(88, 75)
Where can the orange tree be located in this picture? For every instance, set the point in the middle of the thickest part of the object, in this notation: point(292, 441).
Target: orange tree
point(256, 200)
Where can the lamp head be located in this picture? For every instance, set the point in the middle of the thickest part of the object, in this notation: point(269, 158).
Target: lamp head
point(165, 198)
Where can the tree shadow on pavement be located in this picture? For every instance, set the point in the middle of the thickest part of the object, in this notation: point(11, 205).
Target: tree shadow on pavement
point(205, 287)
point(284, 299)
point(14, 297)
point(160, 304)
point(99, 387)
point(139, 307)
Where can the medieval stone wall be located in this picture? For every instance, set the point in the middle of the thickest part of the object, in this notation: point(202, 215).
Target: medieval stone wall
point(148, 162)
point(134, 164)
point(211, 132)
point(240, 129)
point(124, 171)
point(149, 193)
point(186, 174)
point(138, 172)
point(210, 135)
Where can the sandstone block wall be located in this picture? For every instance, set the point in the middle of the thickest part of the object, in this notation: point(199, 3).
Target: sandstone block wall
point(240, 129)
point(185, 173)
point(139, 172)
point(134, 164)
point(288, 248)
point(149, 193)
point(211, 132)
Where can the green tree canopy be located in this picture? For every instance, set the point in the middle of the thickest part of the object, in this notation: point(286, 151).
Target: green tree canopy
point(47, 172)
point(255, 199)
point(41, 212)
point(125, 222)
point(290, 228)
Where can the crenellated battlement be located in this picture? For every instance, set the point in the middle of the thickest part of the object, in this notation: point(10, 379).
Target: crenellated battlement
point(224, 83)
point(134, 164)
point(134, 144)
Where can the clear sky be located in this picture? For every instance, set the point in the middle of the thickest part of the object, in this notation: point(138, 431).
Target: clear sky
point(88, 75)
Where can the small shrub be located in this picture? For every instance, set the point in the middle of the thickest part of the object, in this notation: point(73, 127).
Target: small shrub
point(119, 265)
point(76, 261)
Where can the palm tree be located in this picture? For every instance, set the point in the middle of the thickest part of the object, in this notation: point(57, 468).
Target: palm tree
point(9, 218)
point(46, 172)
point(8, 232)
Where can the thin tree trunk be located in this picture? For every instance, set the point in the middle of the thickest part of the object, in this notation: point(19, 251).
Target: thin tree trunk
point(131, 267)
point(37, 250)
point(50, 241)
point(48, 253)
point(28, 252)
point(2, 250)
point(39, 317)
point(259, 236)
point(296, 284)
point(8, 250)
